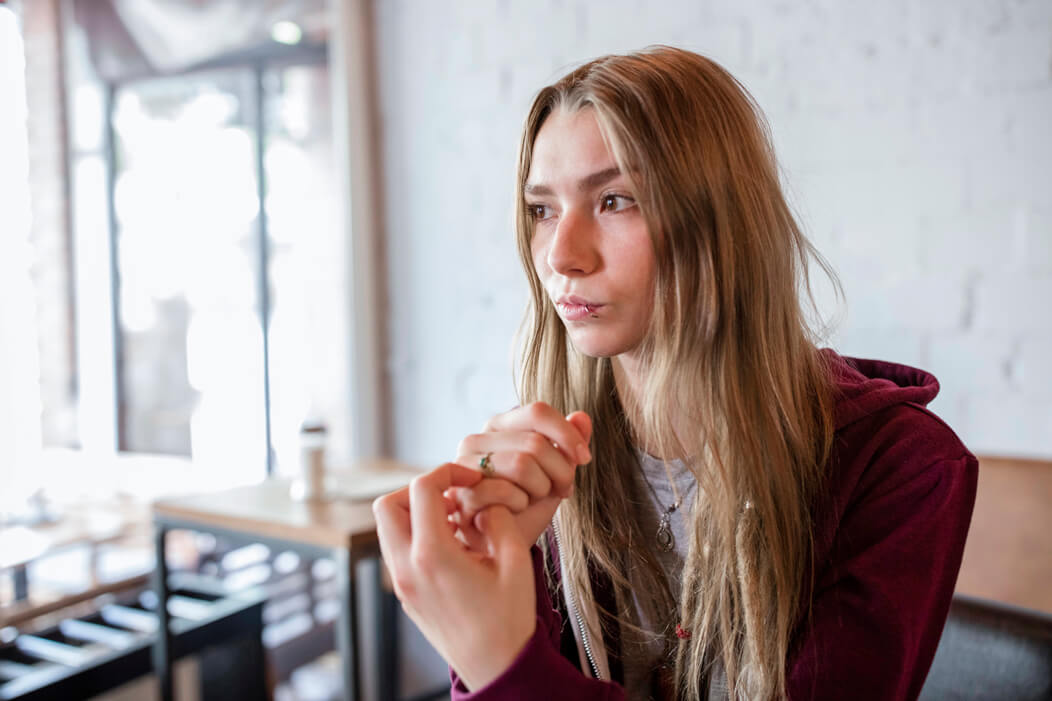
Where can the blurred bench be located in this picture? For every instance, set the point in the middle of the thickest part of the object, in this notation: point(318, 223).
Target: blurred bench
point(85, 656)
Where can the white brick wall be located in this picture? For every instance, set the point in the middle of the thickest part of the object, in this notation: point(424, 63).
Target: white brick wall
point(916, 142)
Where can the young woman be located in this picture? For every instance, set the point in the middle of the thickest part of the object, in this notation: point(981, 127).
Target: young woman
point(693, 499)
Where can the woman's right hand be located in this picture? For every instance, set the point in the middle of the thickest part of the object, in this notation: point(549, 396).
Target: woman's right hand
point(534, 452)
point(477, 609)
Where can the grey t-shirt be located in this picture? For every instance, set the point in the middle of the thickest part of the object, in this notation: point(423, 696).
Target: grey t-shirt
point(639, 665)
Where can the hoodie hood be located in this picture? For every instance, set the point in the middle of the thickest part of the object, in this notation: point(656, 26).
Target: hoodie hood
point(864, 387)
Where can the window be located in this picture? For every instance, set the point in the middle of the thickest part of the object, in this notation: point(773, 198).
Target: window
point(209, 310)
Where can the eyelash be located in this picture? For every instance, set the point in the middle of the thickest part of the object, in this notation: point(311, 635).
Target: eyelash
point(535, 211)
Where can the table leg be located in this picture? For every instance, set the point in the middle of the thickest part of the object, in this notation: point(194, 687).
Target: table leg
point(387, 636)
point(347, 630)
point(20, 575)
point(162, 648)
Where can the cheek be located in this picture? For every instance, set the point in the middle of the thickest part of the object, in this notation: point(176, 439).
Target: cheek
point(648, 280)
point(640, 271)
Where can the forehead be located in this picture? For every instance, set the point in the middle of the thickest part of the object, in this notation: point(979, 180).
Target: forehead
point(569, 146)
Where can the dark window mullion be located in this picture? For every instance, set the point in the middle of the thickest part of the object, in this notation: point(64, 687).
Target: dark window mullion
point(110, 155)
point(264, 249)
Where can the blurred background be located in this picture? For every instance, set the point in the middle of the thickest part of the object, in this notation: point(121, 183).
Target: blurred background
point(209, 232)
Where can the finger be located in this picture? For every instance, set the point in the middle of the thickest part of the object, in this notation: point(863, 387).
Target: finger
point(525, 471)
point(499, 444)
point(535, 519)
point(583, 423)
point(532, 522)
point(544, 419)
point(473, 448)
point(470, 535)
point(488, 492)
point(450, 499)
point(391, 512)
point(427, 508)
point(501, 533)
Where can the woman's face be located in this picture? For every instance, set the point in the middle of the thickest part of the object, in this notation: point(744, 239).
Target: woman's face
point(590, 246)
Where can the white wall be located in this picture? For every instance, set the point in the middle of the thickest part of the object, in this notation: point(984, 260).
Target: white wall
point(916, 143)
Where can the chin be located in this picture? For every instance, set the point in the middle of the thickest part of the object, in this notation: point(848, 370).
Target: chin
point(599, 347)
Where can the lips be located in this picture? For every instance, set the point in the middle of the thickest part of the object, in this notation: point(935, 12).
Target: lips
point(573, 308)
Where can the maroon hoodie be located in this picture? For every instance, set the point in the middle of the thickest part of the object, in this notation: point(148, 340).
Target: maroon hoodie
point(889, 531)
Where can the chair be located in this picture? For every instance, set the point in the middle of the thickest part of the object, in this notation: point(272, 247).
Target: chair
point(994, 651)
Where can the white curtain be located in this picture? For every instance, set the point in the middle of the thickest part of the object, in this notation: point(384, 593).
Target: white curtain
point(20, 433)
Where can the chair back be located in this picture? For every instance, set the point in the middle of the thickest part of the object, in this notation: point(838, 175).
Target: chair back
point(991, 650)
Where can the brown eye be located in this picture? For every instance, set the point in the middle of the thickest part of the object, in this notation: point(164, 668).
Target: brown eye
point(538, 212)
point(616, 203)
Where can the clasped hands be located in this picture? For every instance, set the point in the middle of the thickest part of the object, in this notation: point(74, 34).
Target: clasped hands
point(457, 543)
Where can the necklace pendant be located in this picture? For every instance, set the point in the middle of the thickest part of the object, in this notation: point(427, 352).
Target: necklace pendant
point(665, 540)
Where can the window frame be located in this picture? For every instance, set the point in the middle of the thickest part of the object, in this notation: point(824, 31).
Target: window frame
point(258, 61)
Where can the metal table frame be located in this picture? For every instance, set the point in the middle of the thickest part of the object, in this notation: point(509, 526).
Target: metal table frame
point(347, 633)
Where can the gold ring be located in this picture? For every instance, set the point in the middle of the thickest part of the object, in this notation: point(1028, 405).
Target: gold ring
point(486, 466)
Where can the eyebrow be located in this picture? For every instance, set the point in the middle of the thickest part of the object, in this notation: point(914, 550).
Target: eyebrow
point(588, 182)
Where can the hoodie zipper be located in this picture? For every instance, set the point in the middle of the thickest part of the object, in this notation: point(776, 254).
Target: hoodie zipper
point(573, 607)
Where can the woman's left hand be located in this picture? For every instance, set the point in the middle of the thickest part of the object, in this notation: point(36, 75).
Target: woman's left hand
point(476, 609)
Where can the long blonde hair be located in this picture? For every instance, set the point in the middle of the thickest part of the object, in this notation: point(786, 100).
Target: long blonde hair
point(729, 353)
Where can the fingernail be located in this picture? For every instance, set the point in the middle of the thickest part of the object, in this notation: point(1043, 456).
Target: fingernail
point(583, 454)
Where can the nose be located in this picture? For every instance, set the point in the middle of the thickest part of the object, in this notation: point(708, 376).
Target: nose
point(571, 250)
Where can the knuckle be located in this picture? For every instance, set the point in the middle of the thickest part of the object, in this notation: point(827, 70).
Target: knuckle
point(403, 586)
point(536, 443)
point(506, 493)
point(493, 423)
point(382, 504)
point(400, 581)
point(537, 410)
point(519, 500)
point(468, 501)
point(421, 562)
point(466, 446)
point(417, 484)
point(483, 519)
point(520, 465)
point(567, 477)
point(502, 489)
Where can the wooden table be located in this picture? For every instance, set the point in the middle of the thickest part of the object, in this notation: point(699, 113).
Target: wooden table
point(87, 524)
point(342, 528)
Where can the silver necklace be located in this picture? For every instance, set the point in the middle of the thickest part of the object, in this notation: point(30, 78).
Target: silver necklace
point(666, 540)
